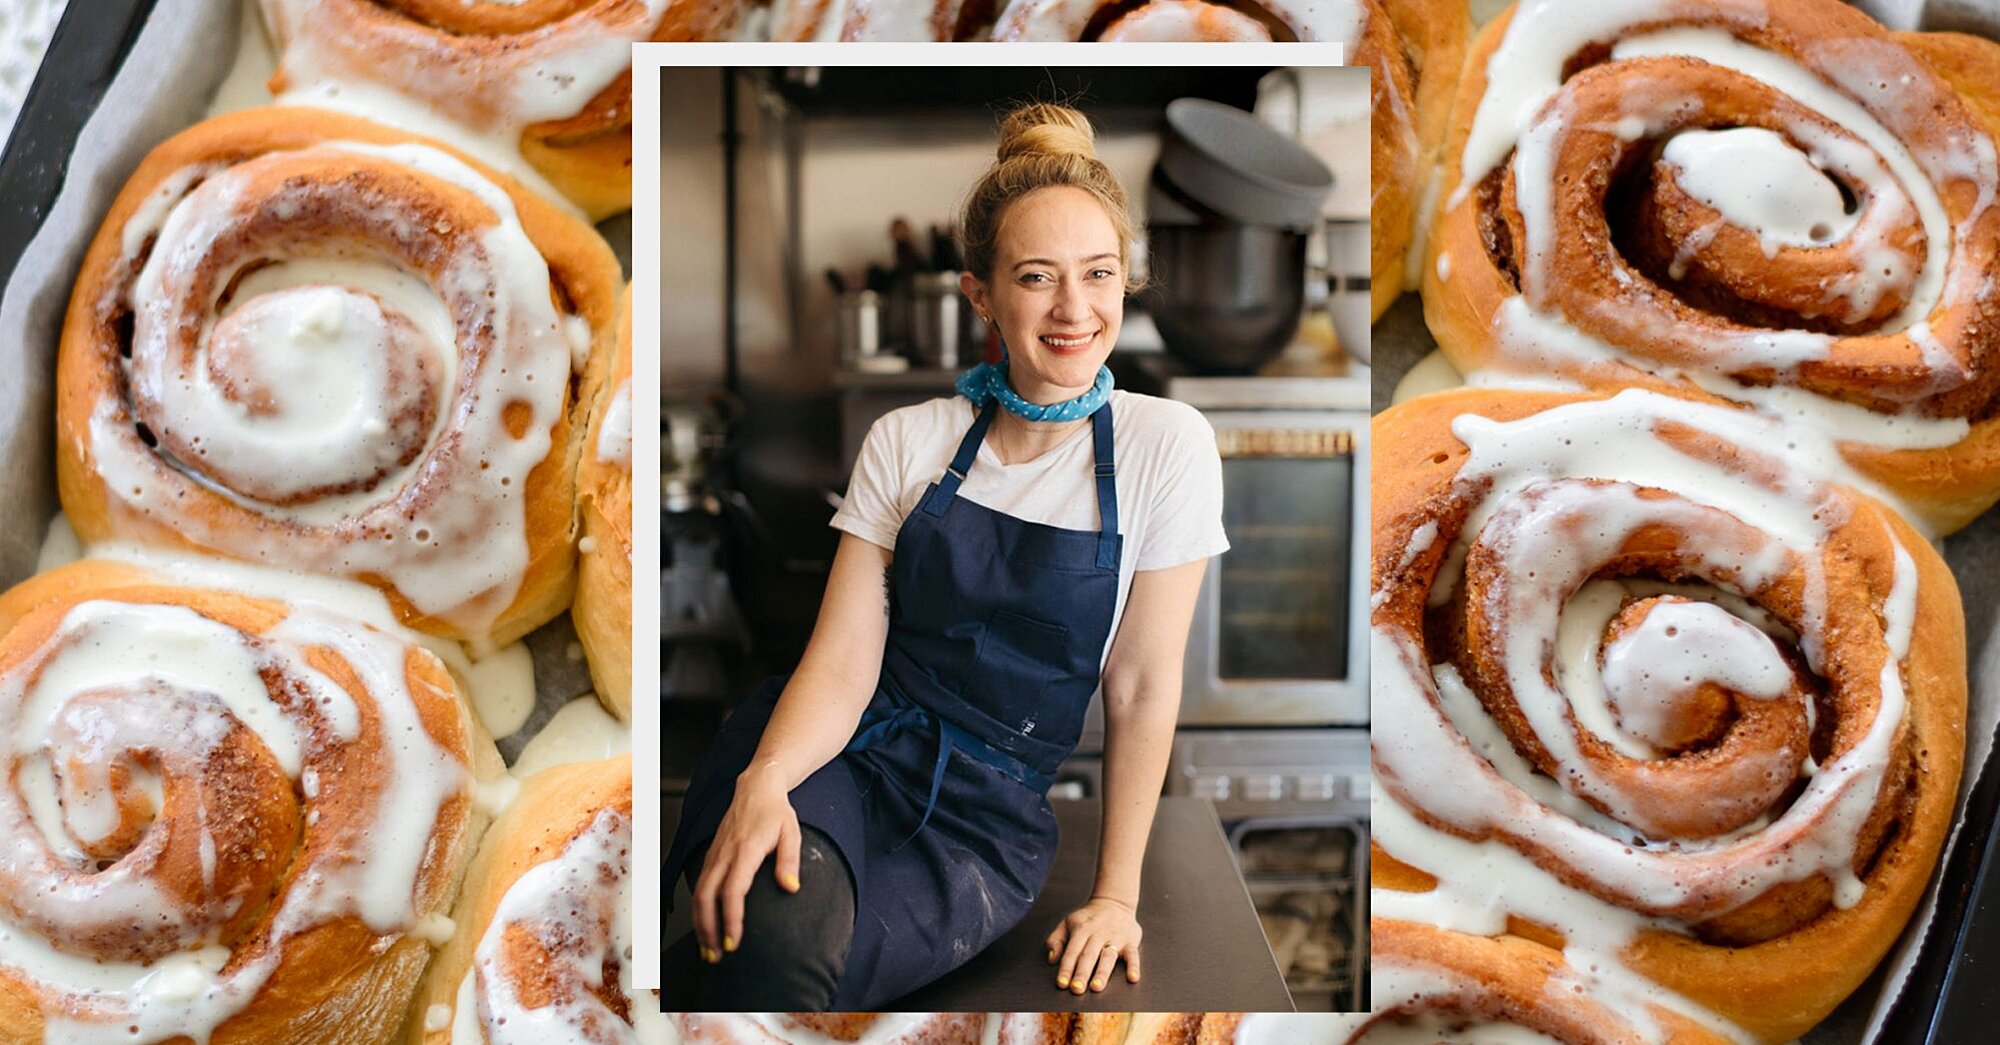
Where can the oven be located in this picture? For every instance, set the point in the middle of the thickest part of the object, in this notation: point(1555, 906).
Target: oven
point(1279, 632)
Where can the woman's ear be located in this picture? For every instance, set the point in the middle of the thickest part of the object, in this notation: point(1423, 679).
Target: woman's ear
point(975, 292)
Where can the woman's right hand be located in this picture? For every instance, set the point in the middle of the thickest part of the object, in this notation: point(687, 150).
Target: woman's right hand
point(759, 822)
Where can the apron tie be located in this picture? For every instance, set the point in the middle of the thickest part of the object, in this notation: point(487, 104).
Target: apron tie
point(878, 726)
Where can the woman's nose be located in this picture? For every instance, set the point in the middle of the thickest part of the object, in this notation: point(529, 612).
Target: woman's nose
point(1070, 303)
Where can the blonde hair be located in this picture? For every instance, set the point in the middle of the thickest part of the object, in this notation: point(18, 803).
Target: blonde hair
point(1041, 145)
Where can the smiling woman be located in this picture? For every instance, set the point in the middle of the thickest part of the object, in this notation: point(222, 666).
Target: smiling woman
point(840, 855)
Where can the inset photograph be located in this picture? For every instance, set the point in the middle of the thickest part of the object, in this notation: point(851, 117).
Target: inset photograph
point(1014, 480)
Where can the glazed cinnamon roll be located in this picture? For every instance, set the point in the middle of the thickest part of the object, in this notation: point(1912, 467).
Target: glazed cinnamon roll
point(304, 339)
point(541, 948)
point(226, 818)
point(553, 77)
point(1773, 201)
point(1414, 49)
point(603, 609)
point(1180, 20)
point(1701, 711)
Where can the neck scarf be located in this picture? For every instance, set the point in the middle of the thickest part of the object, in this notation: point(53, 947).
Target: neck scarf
point(988, 381)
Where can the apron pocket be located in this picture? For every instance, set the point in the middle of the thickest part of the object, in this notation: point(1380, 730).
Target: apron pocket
point(1020, 657)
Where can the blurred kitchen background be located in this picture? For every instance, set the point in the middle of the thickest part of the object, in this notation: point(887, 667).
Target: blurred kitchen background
point(810, 285)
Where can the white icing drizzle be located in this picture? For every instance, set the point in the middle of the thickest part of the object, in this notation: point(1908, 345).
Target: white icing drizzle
point(1720, 648)
point(183, 686)
point(1760, 182)
point(502, 685)
point(614, 433)
point(576, 907)
point(318, 329)
point(580, 731)
point(1539, 343)
point(60, 545)
point(1428, 726)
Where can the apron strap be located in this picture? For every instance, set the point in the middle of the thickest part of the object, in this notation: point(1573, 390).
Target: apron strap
point(1104, 466)
point(1107, 488)
point(968, 448)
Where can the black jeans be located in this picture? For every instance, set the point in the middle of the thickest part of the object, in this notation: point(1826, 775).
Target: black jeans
point(794, 945)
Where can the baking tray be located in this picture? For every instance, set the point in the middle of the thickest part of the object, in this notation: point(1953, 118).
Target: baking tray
point(55, 134)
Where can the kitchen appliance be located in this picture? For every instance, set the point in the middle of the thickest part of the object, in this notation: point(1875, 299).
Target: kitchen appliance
point(1280, 626)
point(1295, 805)
point(1228, 209)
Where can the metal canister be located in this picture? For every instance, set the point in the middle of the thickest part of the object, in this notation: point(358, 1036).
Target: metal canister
point(860, 327)
point(935, 330)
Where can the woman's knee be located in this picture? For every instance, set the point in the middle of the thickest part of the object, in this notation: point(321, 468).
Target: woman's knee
point(794, 945)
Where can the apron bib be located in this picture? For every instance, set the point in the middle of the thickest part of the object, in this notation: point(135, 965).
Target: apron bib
point(939, 803)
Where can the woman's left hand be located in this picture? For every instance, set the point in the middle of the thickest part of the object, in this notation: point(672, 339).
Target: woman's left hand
point(1090, 941)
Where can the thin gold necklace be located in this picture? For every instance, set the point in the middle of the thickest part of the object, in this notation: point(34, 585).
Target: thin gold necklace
point(1008, 457)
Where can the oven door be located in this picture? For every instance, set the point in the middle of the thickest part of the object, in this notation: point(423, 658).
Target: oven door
point(1278, 635)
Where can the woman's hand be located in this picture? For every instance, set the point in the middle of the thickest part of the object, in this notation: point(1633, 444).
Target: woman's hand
point(760, 821)
point(1090, 941)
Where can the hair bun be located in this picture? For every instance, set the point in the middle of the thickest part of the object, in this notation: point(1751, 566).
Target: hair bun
point(1046, 129)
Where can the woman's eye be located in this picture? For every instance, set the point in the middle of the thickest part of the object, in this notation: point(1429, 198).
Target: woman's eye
point(1035, 277)
point(1101, 273)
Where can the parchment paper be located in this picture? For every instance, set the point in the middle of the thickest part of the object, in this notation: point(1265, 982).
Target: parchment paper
point(180, 57)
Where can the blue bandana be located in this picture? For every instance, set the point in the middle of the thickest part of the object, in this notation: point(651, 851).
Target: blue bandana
point(988, 381)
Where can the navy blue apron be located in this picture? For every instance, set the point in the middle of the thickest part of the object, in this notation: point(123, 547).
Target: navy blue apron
point(940, 802)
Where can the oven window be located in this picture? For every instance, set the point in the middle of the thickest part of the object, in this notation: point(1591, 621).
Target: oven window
point(1282, 587)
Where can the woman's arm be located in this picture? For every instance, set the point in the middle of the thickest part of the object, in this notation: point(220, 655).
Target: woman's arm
point(1142, 699)
point(812, 722)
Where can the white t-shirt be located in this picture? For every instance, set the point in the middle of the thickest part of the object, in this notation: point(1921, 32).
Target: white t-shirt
point(1169, 480)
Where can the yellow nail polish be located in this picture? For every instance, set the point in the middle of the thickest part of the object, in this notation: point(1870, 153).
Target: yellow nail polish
point(792, 882)
point(1098, 986)
point(1063, 982)
point(729, 944)
point(708, 955)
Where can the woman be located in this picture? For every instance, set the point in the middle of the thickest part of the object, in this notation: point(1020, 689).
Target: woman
point(868, 825)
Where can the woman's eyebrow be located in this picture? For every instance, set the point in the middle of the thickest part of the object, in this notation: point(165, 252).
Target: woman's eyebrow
point(1052, 261)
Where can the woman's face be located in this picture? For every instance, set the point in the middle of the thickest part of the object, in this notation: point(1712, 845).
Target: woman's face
point(1057, 292)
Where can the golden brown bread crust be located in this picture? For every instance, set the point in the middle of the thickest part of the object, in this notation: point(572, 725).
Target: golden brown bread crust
point(1413, 49)
point(552, 808)
point(1782, 962)
point(337, 982)
point(1472, 270)
point(1508, 980)
point(585, 280)
point(587, 155)
point(603, 609)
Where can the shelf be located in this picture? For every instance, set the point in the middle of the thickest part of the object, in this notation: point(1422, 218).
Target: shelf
point(858, 91)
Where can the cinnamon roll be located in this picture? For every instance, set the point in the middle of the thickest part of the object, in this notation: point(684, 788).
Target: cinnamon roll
point(305, 339)
point(226, 817)
point(1414, 49)
point(603, 609)
point(553, 77)
point(1701, 712)
point(1774, 201)
point(541, 949)
point(1181, 20)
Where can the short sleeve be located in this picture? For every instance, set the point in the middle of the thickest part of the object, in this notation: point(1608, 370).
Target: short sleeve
point(1185, 520)
point(871, 510)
